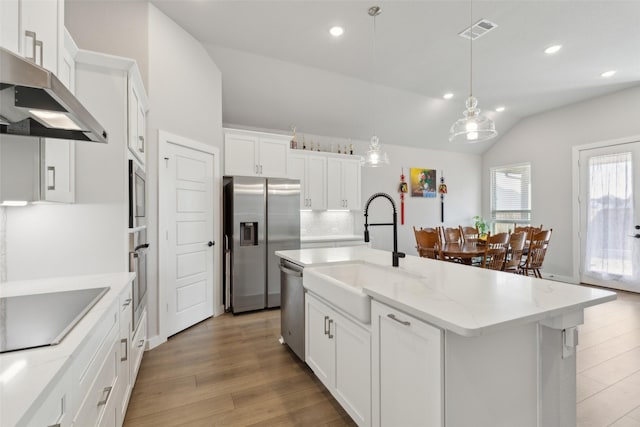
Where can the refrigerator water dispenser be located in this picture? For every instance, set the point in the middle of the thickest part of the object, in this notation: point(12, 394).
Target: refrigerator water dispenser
point(248, 234)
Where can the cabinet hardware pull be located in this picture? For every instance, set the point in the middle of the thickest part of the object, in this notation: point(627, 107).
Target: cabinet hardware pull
point(126, 302)
point(126, 349)
point(260, 169)
point(54, 425)
point(140, 343)
point(330, 322)
point(51, 177)
point(141, 146)
point(106, 390)
point(403, 322)
point(325, 325)
point(31, 34)
point(41, 45)
point(256, 168)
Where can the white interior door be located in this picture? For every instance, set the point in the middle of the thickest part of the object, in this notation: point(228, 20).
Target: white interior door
point(187, 205)
point(609, 214)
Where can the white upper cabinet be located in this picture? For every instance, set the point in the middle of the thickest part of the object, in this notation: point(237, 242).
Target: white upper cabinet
point(311, 170)
point(33, 29)
point(138, 105)
point(255, 154)
point(343, 184)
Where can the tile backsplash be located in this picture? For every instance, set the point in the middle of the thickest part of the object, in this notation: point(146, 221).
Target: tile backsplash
point(326, 223)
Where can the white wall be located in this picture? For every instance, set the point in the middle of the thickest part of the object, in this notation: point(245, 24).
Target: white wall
point(545, 140)
point(115, 27)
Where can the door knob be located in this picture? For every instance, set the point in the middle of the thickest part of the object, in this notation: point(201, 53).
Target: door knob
point(211, 243)
point(637, 236)
point(637, 227)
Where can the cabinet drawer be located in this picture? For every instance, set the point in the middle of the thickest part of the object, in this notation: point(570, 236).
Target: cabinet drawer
point(93, 353)
point(137, 346)
point(100, 393)
point(126, 299)
point(55, 409)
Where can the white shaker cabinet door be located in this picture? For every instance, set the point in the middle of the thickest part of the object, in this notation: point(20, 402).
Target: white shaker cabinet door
point(320, 343)
point(297, 170)
point(40, 31)
point(317, 182)
point(241, 154)
point(273, 157)
point(407, 370)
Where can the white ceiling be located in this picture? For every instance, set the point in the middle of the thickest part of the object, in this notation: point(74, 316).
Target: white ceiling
point(418, 55)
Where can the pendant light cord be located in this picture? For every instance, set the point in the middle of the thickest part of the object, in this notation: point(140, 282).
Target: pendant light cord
point(470, 48)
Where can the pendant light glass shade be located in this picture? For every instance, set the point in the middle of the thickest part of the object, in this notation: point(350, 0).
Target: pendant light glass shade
point(473, 127)
point(374, 157)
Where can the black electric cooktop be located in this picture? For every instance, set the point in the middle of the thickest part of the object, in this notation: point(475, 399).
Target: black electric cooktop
point(38, 320)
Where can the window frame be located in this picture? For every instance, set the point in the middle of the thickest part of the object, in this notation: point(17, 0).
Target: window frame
point(503, 225)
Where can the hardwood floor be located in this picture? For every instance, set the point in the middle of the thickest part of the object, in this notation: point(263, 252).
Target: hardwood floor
point(231, 371)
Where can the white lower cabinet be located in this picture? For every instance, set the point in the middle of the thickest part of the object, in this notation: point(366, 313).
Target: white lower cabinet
point(55, 411)
point(338, 350)
point(138, 343)
point(407, 377)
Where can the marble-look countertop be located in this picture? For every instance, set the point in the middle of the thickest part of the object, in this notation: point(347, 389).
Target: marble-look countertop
point(23, 390)
point(469, 301)
point(332, 238)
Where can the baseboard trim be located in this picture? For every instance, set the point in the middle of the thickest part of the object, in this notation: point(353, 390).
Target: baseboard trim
point(155, 341)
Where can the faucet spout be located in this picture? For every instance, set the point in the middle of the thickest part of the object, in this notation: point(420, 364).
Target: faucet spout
point(395, 261)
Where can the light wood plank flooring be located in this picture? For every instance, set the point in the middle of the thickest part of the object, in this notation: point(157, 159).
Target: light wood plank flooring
point(231, 371)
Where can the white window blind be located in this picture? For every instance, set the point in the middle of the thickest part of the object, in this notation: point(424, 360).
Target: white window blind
point(511, 194)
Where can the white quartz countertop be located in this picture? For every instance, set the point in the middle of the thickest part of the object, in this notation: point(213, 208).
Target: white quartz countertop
point(466, 300)
point(27, 375)
point(332, 238)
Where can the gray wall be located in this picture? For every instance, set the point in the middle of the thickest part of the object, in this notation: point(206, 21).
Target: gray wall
point(546, 140)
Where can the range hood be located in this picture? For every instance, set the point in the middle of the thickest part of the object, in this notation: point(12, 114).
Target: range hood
point(35, 103)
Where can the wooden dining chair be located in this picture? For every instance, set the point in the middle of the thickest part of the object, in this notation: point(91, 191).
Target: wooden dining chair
point(469, 234)
point(427, 243)
point(514, 253)
point(451, 235)
point(495, 252)
point(537, 251)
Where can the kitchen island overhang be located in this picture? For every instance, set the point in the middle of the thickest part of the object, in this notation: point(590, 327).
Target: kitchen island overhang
point(508, 341)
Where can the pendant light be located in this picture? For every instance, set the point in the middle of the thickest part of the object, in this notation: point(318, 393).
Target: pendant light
point(473, 127)
point(374, 157)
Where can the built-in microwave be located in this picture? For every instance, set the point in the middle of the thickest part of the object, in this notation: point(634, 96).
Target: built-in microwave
point(138, 243)
point(137, 195)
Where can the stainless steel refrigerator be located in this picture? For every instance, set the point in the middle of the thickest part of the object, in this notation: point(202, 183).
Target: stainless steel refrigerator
point(261, 216)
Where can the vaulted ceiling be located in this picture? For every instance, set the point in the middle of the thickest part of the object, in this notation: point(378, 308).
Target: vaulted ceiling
point(281, 67)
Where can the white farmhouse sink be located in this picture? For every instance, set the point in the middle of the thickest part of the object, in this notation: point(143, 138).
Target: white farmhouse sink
point(341, 284)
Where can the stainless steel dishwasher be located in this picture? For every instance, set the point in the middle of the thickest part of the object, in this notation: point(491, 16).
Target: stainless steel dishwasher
point(292, 307)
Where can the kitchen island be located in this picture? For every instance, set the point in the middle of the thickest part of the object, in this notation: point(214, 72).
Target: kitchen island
point(448, 344)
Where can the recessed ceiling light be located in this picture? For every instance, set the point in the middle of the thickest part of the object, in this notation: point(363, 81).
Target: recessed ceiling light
point(447, 96)
point(336, 31)
point(553, 49)
point(608, 73)
point(500, 109)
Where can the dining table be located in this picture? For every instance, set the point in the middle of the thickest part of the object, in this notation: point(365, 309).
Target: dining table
point(465, 252)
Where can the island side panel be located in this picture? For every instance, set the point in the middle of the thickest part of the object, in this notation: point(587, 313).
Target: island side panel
point(491, 380)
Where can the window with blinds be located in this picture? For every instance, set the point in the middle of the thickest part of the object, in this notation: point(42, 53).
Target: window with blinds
point(510, 196)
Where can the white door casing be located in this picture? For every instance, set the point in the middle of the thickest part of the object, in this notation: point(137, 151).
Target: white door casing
point(581, 157)
point(188, 218)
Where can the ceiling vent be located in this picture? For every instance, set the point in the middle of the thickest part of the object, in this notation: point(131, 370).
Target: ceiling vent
point(478, 29)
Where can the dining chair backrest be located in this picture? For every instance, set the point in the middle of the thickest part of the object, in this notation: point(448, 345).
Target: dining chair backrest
point(537, 250)
point(469, 234)
point(516, 248)
point(427, 243)
point(451, 235)
point(495, 252)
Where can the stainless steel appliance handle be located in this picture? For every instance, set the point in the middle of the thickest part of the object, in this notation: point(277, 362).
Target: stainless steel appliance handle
point(143, 246)
point(290, 271)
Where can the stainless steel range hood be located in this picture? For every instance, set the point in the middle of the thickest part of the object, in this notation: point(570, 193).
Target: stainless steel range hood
point(35, 103)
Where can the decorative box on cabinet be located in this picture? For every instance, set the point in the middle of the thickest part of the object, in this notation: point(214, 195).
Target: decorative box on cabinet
point(338, 351)
point(407, 357)
point(311, 170)
point(343, 183)
point(249, 153)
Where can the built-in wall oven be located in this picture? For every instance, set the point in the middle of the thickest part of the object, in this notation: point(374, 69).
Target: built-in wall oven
point(138, 243)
